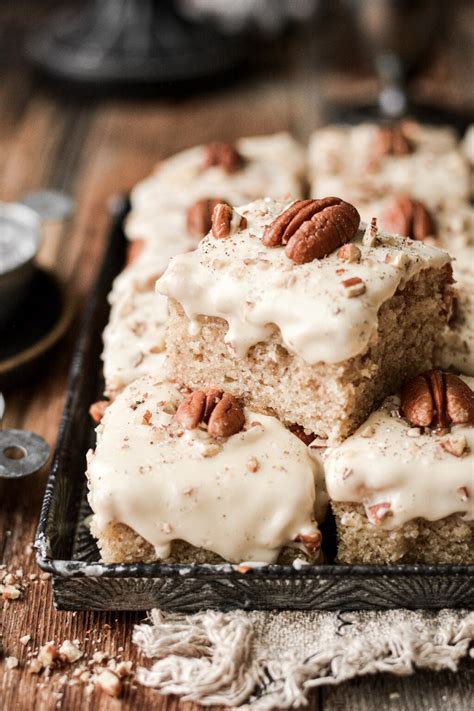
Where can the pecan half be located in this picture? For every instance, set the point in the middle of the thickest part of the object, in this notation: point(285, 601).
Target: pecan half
point(391, 141)
point(199, 216)
point(312, 229)
point(437, 399)
point(410, 218)
point(222, 155)
point(221, 412)
point(190, 413)
point(227, 417)
point(225, 221)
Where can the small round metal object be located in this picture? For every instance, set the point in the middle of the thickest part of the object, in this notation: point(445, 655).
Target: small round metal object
point(21, 453)
point(49, 204)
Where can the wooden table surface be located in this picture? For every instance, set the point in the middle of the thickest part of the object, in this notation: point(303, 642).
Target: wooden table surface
point(96, 150)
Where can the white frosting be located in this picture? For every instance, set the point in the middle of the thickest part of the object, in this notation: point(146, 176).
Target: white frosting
point(168, 484)
point(134, 339)
point(163, 225)
point(141, 274)
point(274, 166)
point(435, 172)
point(386, 461)
point(257, 289)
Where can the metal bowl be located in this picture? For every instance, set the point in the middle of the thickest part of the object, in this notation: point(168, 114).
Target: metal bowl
point(22, 227)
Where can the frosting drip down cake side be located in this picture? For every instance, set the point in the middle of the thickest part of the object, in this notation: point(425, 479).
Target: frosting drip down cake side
point(317, 343)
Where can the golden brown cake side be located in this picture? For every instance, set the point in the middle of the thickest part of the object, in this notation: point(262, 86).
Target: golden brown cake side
point(119, 543)
point(449, 540)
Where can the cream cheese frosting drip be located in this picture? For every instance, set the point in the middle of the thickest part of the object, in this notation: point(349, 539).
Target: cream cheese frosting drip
point(243, 497)
point(257, 289)
point(387, 463)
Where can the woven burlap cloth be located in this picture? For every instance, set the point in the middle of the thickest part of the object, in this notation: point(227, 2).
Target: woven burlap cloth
point(269, 660)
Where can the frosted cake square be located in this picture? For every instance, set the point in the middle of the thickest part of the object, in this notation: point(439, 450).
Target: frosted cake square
point(197, 477)
point(402, 486)
point(316, 331)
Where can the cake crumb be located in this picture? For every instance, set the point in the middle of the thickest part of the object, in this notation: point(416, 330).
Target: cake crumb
point(10, 592)
point(109, 682)
point(70, 652)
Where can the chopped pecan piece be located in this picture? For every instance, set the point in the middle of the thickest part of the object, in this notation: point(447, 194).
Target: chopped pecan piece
point(97, 410)
point(133, 250)
point(221, 412)
point(437, 399)
point(223, 155)
point(243, 569)
point(225, 220)
point(147, 415)
point(312, 229)
point(379, 511)
point(370, 238)
point(410, 218)
point(354, 286)
point(391, 141)
point(456, 446)
point(199, 216)
point(349, 253)
point(310, 541)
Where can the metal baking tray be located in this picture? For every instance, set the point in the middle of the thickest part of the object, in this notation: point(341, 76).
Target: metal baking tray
point(80, 581)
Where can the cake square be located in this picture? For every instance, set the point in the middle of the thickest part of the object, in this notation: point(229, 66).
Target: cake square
point(318, 343)
point(196, 477)
point(401, 492)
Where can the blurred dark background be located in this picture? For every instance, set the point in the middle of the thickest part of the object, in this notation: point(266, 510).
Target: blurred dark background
point(342, 44)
